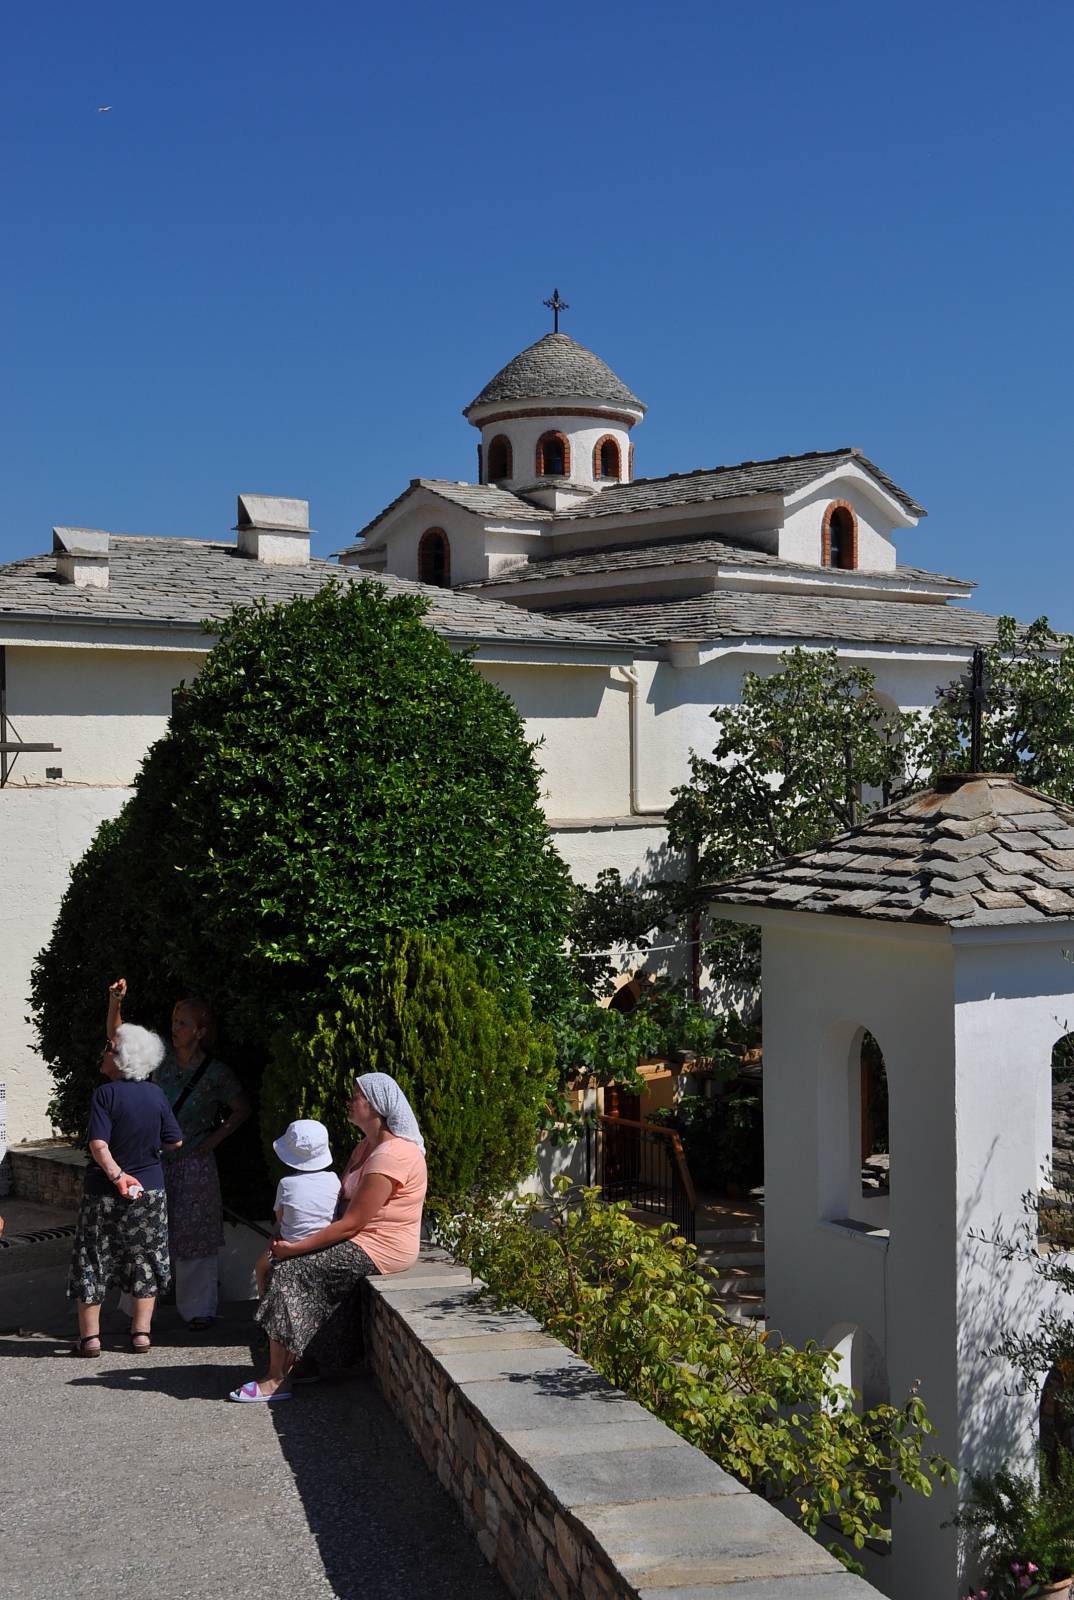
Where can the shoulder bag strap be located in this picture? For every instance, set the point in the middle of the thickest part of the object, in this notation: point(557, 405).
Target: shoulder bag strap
point(191, 1084)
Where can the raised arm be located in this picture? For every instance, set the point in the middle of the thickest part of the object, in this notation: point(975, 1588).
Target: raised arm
point(374, 1191)
point(117, 993)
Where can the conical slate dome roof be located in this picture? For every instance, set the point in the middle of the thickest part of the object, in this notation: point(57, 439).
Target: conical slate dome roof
point(556, 368)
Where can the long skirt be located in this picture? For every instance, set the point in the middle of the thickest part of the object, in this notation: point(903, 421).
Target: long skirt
point(195, 1213)
point(313, 1305)
point(120, 1244)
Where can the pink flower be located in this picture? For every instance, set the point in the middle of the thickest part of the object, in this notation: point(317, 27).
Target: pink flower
point(1031, 1568)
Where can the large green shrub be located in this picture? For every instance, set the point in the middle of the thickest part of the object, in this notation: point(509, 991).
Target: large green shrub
point(461, 1047)
point(636, 1303)
point(334, 773)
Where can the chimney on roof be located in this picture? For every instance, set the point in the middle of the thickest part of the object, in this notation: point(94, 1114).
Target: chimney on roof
point(81, 557)
point(274, 530)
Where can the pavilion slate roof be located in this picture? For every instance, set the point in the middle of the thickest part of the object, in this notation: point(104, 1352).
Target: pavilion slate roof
point(181, 581)
point(556, 367)
point(737, 614)
point(977, 851)
point(688, 550)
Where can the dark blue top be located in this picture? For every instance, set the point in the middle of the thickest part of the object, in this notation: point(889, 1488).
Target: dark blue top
point(134, 1120)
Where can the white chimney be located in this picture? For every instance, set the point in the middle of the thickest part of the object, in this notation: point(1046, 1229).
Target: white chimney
point(81, 557)
point(274, 530)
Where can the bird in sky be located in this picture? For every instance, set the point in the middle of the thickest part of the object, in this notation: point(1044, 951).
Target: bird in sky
point(104, 108)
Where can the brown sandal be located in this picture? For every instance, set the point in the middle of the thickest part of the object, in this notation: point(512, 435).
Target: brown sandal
point(140, 1349)
point(81, 1343)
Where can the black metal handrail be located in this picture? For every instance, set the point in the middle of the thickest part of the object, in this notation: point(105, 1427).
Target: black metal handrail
point(646, 1167)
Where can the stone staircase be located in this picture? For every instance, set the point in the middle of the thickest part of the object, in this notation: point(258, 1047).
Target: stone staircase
point(736, 1252)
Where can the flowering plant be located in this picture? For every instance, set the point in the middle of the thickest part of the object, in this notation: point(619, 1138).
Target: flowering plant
point(1023, 1527)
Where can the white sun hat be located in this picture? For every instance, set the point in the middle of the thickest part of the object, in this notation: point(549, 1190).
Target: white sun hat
point(304, 1146)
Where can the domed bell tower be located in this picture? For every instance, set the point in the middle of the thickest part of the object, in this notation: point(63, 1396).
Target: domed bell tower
point(555, 423)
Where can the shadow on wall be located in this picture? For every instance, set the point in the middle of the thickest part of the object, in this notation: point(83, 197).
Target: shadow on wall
point(382, 1523)
point(990, 1390)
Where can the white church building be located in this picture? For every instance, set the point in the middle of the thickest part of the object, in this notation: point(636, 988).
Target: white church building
point(617, 611)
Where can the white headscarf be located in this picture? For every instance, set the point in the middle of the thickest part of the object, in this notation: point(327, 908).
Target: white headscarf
point(389, 1101)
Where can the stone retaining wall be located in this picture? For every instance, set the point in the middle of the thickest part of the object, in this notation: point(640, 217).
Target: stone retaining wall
point(50, 1175)
point(573, 1491)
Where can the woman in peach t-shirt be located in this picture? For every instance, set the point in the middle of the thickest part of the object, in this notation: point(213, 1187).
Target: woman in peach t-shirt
point(311, 1311)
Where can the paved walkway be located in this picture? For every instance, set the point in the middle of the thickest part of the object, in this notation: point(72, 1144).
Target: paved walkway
point(130, 1477)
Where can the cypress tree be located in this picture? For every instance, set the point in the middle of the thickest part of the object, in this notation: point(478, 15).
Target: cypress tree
point(462, 1048)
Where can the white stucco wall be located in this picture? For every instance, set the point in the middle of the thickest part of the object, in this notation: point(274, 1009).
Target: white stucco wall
point(42, 831)
point(800, 536)
point(583, 434)
point(103, 707)
point(580, 716)
point(479, 548)
point(966, 1023)
point(676, 699)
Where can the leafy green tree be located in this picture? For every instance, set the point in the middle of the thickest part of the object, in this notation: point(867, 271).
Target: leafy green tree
point(793, 764)
point(789, 767)
point(637, 1304)
point(1028, 718)
point(334, 774)
point(459, 1043)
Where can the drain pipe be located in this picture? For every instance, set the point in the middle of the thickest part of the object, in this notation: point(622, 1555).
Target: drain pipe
point(636, 807)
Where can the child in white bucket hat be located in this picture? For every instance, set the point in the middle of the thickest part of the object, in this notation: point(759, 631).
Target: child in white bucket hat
point(306, 1198)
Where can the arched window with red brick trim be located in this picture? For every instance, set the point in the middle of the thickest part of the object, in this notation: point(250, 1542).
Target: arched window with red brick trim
point(839, 536)
point(607, 460)
point(500, 458)
point(553, 456)
point(434, 558)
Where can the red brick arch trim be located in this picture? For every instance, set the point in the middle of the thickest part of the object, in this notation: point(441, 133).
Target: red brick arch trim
point(630, 465)
point(598, 448)
point(500, 458)
point(545, 439)
point(434, 558)
point(850, 546)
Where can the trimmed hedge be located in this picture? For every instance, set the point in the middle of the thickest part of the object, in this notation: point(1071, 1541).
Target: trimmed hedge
point(462, 1049)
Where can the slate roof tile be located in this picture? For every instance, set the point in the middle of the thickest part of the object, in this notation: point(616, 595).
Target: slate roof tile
point(556, 366)
point(181, 581)
point(970, 880)
point(729, 614)
point(781, 476)
point(681, 551)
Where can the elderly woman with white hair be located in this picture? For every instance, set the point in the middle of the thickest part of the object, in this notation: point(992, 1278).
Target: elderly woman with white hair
point(312, 1311)
point(122, 1235)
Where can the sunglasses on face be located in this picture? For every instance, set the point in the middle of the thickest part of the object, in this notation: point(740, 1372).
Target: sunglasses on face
point(109, 1048)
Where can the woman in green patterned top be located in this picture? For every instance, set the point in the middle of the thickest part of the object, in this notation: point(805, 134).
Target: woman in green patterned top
point(197, 1086)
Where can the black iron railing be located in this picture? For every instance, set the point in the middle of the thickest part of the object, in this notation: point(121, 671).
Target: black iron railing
point(646, 1167)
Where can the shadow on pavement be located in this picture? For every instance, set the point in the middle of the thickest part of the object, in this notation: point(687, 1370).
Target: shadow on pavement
point(382, 1523)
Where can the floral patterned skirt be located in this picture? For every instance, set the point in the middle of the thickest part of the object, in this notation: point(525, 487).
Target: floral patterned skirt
point(195, 1214)
point(313, 1305)
point(120, 1244)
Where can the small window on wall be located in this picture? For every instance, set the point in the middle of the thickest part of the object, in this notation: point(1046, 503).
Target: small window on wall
point(553, 456)
point(500, 458)
point(607, 462)
point(434, 558)
point(839, 536)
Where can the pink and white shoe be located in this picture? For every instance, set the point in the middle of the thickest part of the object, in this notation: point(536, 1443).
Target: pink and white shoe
point(250, 1394)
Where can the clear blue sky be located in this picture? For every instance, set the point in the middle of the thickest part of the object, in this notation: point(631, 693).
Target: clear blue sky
point(307, 234)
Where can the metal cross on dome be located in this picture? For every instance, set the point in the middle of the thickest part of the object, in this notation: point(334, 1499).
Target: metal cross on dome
point(556, 305)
